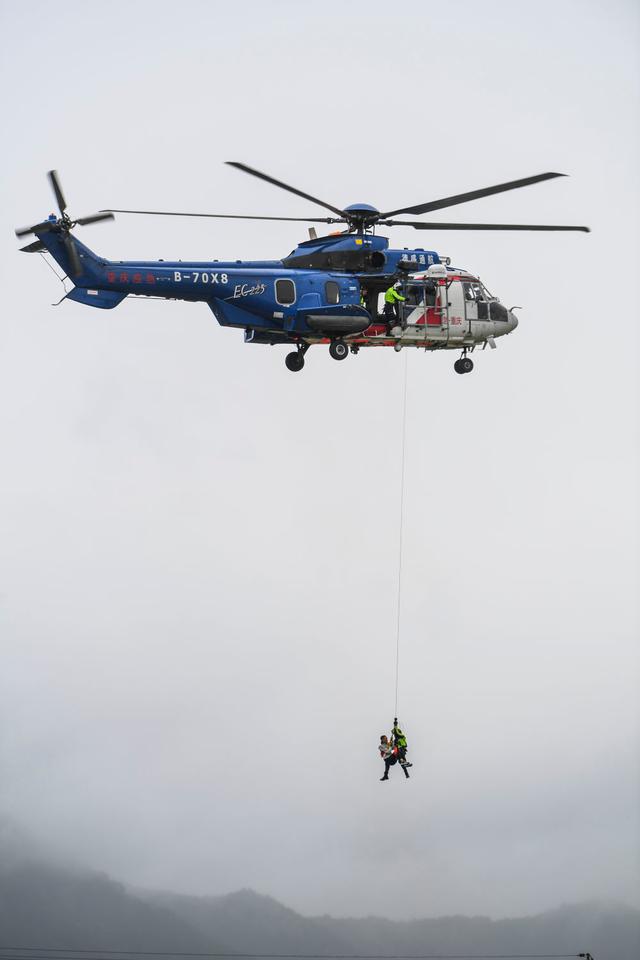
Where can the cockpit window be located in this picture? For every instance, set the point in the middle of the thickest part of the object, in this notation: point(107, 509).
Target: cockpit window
point(474, 291)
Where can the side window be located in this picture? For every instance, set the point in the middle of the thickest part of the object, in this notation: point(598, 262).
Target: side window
point(413, 295)
point(285, 292)
point(332, 291)
point(423, 294)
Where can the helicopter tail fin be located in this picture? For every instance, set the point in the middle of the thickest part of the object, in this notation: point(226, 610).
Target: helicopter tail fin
point(83, 267)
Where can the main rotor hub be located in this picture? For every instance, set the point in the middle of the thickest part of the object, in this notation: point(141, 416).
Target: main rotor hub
point(362, 214)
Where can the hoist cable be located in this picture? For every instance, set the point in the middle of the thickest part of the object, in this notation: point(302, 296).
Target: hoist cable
point(404, 433)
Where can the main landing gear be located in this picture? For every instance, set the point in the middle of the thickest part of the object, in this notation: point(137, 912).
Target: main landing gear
point(464, 364)
point(338, 350)
point(295, 361)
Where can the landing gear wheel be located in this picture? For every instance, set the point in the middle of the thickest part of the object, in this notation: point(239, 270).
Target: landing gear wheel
point(294, 361)
point(338, 349)
point(463, 365)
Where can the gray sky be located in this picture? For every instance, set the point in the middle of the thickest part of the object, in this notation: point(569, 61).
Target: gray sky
point(198, 550)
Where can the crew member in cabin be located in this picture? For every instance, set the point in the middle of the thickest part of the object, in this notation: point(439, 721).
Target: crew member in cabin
point(392, 298)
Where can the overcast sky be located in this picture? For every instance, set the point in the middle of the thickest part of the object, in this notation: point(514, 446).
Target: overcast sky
point(198, 549)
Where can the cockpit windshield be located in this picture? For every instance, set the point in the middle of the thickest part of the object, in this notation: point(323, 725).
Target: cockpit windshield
point(475, 291)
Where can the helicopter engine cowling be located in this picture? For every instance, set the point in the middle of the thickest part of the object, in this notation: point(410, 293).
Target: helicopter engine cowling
point(349, 261)
point(347, 253)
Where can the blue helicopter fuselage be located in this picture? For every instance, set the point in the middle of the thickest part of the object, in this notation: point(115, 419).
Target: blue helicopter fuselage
point(317, 289)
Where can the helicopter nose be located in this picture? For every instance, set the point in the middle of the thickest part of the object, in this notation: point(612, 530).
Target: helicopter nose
point(513, 320)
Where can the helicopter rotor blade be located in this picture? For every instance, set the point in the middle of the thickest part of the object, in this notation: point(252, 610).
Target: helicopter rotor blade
point(227, 216)
point(420, 225)
point(72, 251)
point(283, 186)
point(95, 218)
point(472, 195)
point(57, 189)
point(43, 227)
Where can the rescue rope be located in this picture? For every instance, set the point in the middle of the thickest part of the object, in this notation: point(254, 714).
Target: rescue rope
point(404, 432)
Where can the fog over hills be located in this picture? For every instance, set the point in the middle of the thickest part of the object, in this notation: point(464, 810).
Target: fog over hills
point(256, 923)
point(59, 907)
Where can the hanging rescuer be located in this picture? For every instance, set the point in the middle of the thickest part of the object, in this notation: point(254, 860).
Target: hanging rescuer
point(394, 750)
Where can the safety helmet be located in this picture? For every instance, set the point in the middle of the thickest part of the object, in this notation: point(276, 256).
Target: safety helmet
point(397, 285)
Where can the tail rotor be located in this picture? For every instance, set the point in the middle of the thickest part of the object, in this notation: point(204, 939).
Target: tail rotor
point(62, 225)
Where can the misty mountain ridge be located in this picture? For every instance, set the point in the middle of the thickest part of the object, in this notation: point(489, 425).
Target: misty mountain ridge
point(258, 923)
point(68, 908)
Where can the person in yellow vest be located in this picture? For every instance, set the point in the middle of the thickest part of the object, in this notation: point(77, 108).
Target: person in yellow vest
point(400, 742)
point(392, 298)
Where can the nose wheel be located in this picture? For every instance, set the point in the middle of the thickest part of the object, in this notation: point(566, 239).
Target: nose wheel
point(463, 365)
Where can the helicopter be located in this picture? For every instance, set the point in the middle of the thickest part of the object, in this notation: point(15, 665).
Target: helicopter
point(326, 291)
